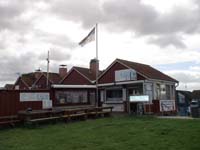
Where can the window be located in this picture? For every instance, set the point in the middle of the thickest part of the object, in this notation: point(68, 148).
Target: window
point(158, 91)
point(161, 91)
point(63, 97)
point(181, 98)
point(16, 87)
point(114, 95)
point(149, 90)
point(172, 92)
point(136, 89)
point(168, 97)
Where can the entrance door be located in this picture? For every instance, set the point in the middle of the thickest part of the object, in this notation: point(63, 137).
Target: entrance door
point(137, 108)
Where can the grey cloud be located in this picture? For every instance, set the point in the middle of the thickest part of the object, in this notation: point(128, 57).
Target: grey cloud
point(186, 77)
point(55, 39)
point(130, 15)
point(22, 63)
point(134, 16)
point(187, 81)
point(87, 12)
point(145, 20)
point(28, 62)
point(164, 41)
point(56, 55)
point(11, 65)
point(116, 15)
point(10, 13)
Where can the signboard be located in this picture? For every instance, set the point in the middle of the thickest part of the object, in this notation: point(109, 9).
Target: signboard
point(34, 96)
point(46, 104)
point(139, 98)
point(167, 105)
point(125, 75)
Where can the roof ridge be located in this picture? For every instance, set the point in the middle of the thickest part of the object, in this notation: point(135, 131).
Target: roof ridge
point(132, 62)
point(80, 67)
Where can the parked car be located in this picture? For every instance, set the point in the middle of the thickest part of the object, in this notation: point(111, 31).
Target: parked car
point(195, 108)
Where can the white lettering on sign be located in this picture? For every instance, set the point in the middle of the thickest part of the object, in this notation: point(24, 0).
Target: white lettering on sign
point(125, 75)
point(139, 98)
point(34, 97)
point(167, 105)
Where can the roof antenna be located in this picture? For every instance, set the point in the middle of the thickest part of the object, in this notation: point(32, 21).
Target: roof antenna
point(186, 86)
point(48, 69)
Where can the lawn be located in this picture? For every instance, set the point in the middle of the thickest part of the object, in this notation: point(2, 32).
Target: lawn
point(117, 133)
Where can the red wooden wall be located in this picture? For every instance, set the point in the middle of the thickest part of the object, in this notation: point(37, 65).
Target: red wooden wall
point(74, 78)
point(155, 107)
point(10, 103)
point(109, 76)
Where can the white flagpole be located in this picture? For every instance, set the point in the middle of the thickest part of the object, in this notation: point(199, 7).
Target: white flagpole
point(48, 69)
point(97, 68)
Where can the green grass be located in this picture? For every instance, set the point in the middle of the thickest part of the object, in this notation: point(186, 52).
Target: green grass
point(117, 133)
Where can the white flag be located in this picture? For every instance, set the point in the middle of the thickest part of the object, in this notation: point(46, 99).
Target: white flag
point(89, 38)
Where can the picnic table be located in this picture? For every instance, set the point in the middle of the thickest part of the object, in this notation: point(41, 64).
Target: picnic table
point(63, 113)
point(34, 114)
point(86, 112)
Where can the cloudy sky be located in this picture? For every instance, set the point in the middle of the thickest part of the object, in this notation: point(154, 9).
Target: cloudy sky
point(163, 34)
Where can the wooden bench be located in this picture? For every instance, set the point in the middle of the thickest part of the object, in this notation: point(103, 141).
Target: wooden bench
point(75, 116)
point(39, 120)
point(98, 111)
point(9, 122)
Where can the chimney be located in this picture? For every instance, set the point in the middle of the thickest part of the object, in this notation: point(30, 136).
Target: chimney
point(38, 73)
point(62, 70)
point(94, 64)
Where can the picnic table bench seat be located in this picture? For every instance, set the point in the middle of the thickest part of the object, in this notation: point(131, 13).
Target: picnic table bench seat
point(43, 119)
point(9, 122)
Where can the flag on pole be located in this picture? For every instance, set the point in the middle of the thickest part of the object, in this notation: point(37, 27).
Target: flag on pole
point(89, 38)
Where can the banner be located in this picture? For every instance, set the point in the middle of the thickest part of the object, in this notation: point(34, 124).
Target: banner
point(167, 105)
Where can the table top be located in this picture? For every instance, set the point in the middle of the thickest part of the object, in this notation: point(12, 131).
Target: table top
point(60, 110)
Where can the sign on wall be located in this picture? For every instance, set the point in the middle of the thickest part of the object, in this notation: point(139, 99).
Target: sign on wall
point(125, 75)
point(139, 98)
point(34, 96)
point(46, 104)
point(167, 105)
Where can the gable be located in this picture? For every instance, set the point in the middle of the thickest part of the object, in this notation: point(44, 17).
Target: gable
point(109, 75)
point(75, 78)
point(21, 85)
point(147, 71)
point(42, 82)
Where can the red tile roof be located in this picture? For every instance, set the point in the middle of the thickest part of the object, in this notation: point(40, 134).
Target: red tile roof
point(30, 78)
point(9, 86)
point(87, 73)
point(147, 70)
point(53, 77)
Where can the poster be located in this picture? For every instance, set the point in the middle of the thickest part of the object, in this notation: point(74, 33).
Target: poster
point(33, 96)
point(167, 105)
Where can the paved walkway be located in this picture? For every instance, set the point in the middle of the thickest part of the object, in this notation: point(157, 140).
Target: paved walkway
point(175, 117)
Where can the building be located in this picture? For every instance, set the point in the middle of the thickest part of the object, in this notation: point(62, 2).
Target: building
point(127, 86)
point(183, 99)
point(78, 87)
point(136, 88)
point(38, 79)
point(196, 95)
point(8, 86)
